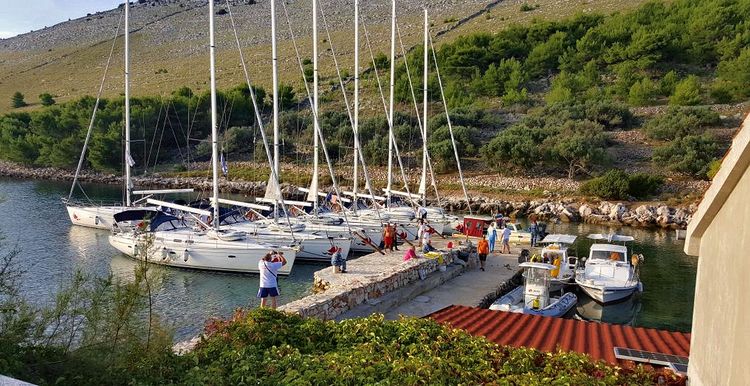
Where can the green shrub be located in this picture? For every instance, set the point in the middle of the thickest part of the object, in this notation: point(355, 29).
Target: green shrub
point(691, 154)
point(376, 351)
point(612, 185)
point(687, 92)
point(526, 7)
point(678, 122)
point(238, 139)
point(642, 92)
point(713, 168)
point(642, 185)
point(46, 99)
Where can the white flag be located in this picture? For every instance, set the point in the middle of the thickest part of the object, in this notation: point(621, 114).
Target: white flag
point(129, 160)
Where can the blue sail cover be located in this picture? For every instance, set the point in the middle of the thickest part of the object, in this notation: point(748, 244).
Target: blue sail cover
point(154, 217)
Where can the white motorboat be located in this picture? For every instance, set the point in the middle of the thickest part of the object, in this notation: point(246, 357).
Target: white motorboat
point(517, 234)
point(608, 274)
point(533, 297)
point(164, 239)
point(555, 252)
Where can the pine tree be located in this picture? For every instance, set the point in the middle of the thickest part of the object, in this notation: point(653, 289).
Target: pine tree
point(17, 100)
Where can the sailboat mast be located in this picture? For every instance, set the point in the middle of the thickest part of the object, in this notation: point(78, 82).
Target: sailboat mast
point(423, 185)
point(316, 127)
point(128, 184)
point(391, 105)
point(214, 125)
point(355, 126)
point(274, 54)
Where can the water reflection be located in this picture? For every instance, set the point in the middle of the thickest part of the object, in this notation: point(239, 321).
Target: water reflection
point(624, 312)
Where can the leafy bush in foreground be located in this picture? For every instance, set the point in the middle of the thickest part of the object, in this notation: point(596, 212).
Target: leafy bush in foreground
point(271, 348)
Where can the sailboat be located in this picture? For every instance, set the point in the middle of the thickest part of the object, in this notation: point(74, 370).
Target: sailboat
point(159, 237)
point(101, 216)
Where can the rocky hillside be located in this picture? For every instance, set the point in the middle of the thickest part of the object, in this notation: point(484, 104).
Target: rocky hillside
point(169, 44)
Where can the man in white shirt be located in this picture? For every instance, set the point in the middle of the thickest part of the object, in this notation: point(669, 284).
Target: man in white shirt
point(269, 267)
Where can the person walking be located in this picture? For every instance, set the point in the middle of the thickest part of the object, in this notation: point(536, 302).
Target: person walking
point(506, 240)
point(483, 249)
point(492, 236)
point(269, 270)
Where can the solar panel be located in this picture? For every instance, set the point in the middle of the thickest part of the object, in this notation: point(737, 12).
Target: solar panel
point(678, 368)
point(649, 357)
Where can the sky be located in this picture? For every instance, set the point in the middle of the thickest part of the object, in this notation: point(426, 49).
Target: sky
point(21, 16)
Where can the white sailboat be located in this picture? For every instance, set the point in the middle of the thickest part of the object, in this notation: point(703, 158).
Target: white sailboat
point(608, 274)
point(164, 239)
point(101, 216)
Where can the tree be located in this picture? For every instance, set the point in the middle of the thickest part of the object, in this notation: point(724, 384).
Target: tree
point(46, 99)
point(16, 101)
point(687, 92)
point(579, 145)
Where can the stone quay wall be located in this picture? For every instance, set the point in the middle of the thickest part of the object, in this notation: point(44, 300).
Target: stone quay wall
point(334, 297)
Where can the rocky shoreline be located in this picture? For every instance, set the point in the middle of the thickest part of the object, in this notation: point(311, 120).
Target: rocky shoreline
point(654, 215)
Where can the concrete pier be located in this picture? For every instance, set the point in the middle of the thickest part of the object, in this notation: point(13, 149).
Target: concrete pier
point(386, 284)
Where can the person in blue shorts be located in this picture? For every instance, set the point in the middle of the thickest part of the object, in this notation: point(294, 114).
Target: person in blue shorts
point(269, 271)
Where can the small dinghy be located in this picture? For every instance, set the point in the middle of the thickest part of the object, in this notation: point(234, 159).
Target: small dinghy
point(533, 297)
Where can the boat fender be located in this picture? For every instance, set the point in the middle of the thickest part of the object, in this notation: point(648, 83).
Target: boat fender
point(185, 255)
point(96, 220)
point(535, 303)
point(164, 253)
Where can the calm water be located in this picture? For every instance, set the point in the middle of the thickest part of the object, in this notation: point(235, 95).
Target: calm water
point(33, 218)
point(668, 277)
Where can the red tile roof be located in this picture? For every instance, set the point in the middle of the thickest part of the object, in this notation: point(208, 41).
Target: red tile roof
point(548, 334)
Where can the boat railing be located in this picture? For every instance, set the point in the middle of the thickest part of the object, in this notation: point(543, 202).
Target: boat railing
point(87, 203)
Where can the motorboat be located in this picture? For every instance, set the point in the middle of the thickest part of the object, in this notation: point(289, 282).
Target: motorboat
point(608, 275)
point(517, 234)
point(161, 238)
point(556, 252)
point(534, 296)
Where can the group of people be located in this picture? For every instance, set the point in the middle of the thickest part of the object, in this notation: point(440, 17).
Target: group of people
point(390, 237)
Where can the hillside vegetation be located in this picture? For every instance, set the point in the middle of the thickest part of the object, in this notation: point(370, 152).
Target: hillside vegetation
point(561, 98)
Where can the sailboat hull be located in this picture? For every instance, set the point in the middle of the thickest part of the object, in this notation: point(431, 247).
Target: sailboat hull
point(211, 255)
point(99, 217)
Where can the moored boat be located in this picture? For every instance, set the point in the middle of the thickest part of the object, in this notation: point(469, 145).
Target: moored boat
point(534, 296)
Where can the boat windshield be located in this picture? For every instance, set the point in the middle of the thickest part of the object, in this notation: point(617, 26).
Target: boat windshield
point(607, 255)
point(535, 276)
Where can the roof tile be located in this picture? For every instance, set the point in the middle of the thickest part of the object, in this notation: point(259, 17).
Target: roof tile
point(550, 334)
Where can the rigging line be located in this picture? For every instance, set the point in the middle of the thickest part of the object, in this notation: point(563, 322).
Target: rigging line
point(349, 113)
point(391, 122)
point(450, 126)
point(258, 118)
point(161, 140)
point(174, 135)
point(315, 114)
point(422, 129)
point(153, 139)
point(93, 114)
